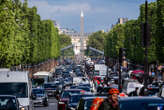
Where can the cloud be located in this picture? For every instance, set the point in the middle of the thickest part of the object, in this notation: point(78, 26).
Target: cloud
point(99, 14)
point(46, 10)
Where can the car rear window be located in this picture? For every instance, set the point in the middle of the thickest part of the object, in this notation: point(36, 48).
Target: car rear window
point(50, 85)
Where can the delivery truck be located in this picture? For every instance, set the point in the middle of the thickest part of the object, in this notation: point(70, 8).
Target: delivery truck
point(16, 83)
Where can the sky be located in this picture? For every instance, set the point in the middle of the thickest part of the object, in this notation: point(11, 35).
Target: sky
point(98, 14)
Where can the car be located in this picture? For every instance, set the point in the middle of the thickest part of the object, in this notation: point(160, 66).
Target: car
point(74, 99)
point(153, 89)
point(129, 85)
point(64, 98)
point(86, 102)
point(103, 91)
point(141, 103)
point(39, 96)
point(50, 88)
point(65, 94)
point(84, 88)
point(9, 102)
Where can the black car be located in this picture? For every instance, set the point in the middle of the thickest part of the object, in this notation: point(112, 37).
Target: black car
point(51, 88)
point(153, 89)
point(9, 102)
point(75, 98)
point(39, 96)
point(141, 103)
point(86, 102)
point(103, 91)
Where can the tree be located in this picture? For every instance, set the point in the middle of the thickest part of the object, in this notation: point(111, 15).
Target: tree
point(115, 40)
point(65, 41)
point(96, 40)
point(24, 37)
point(132, 42)
point(160, 30)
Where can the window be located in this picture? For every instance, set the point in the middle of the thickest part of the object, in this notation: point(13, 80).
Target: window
point(17, 89)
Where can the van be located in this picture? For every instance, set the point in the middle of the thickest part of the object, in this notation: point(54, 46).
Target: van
point(16, 83)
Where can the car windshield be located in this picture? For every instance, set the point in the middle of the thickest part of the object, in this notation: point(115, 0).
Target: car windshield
point(50, 85)
point(17, 89)
point(141, 106)
point(75, 99)
point(88, 104)
point(7, 103)
point(84, 88)
point(65, 94)
point(38, 91)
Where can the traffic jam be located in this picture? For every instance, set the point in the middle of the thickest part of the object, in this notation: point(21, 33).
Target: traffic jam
point(86, 85)
point(91, 85)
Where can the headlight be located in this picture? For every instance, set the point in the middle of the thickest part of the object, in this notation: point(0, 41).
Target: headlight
point(24, 108)
point(72, 108)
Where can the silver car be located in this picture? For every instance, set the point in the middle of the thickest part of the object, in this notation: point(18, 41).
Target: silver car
point(39, 96)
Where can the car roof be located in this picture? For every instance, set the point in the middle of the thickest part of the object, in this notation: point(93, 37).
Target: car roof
point(141, 98)
point(50, 83)
point(92, 97)
point(87, 93)
point(12, 96)
point(38, 88)
point(72, 89)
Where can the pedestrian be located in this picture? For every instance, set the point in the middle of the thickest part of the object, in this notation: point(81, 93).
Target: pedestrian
point(111, 103)
point(134, 93)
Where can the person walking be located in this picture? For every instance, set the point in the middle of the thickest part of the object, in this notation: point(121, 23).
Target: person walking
point(111, 103)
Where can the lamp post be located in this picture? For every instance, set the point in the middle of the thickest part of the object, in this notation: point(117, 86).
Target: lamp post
point(146, 37)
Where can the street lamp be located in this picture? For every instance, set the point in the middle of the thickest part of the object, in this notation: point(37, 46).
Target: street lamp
point(146, 38)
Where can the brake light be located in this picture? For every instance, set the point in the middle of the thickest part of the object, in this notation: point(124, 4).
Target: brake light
point(82, 91)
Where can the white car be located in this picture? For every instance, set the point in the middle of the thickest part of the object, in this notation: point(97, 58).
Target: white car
point(130, 86)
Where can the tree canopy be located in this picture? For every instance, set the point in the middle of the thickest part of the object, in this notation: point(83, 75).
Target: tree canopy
point(24, 37)
point(129, 36)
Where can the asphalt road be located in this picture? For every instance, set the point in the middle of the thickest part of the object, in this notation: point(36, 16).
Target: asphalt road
point(52, 105)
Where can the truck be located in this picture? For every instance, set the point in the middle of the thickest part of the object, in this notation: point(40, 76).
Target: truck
point(100, 69)
point(16, 83)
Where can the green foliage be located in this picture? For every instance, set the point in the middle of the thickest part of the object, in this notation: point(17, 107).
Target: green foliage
point(152, 19)
point(96, 40)
point(160, 30)
point(114, 41)
point(24, 37)
point(65, 40)
point(135, 51)
point(130, 33)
